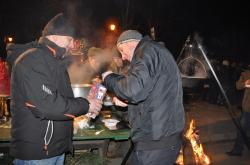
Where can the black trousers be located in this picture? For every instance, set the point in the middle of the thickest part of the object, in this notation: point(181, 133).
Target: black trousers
point(166, 156)
point(245, 124)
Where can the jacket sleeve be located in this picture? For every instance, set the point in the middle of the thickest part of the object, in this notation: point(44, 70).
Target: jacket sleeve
point(47, 103)
point(135, 86)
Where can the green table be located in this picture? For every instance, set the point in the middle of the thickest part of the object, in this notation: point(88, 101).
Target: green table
point(83, 139)
point(87, 138)
point(105, 133)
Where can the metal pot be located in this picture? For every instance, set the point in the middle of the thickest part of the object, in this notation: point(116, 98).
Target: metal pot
point(192, 82)
point(81, 90)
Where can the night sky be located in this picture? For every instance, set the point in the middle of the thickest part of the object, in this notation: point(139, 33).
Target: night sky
point(223, 25)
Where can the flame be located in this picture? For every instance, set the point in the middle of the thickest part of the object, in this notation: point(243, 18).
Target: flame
point(180, 159)
point(199, 154)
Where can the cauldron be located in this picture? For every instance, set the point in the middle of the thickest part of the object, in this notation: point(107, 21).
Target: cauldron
point(81, 90)
point(192, 82)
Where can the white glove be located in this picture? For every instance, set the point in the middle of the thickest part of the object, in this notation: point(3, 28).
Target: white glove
point(105, 74)
point(119, 102)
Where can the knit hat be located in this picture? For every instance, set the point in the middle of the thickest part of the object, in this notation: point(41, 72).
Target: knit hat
point(58, 25)
point(129, 35)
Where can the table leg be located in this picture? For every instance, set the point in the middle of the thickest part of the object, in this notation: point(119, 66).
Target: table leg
point(103, 150)
point(101, 145)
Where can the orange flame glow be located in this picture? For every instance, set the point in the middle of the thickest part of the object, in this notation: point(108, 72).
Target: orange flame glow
point(180, 159)
point(200, 157)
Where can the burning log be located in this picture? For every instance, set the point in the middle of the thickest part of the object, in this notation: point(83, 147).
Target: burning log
point(199, 155)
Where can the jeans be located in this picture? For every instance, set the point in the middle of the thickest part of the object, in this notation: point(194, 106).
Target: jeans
point(57, 160)
point(245, 124)
point(166, 156)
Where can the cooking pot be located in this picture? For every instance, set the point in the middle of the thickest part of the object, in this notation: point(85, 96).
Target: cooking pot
point(81, 90)
point(192, 82)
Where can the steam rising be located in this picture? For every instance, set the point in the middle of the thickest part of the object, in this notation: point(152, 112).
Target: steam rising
point(82, 72)
point(81, 14)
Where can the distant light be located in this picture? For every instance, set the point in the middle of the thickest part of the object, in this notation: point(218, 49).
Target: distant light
point(190, 45)
point(9, 39)
point(112, 27)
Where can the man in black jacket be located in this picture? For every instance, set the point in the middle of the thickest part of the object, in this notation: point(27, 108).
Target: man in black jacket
point(43, 105)
point(153, 91)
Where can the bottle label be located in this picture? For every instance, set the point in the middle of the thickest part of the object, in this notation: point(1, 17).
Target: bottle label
point(97, 91)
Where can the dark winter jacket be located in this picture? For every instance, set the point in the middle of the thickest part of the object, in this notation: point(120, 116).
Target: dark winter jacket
point(154, 91)
point(42, 99)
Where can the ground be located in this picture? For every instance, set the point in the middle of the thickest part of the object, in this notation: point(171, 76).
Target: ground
point(216, 131)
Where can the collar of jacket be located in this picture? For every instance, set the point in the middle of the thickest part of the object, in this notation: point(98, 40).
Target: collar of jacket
point(59, 51)
point(143, 40)
point(146, 38)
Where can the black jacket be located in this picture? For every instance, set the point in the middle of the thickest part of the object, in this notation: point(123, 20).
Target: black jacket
point(40, 80)
point(154, 91)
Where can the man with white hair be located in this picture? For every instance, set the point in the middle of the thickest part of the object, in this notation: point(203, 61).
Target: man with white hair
point(152, 89)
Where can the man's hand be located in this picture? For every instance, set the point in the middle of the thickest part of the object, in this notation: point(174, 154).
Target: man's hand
point(95, 106)
point(119, 102)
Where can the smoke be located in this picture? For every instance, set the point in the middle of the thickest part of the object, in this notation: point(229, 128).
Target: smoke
point(83, 15)
point(197, 38)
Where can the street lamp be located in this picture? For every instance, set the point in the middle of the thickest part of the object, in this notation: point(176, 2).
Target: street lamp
point(9, 39)
point(112, 27)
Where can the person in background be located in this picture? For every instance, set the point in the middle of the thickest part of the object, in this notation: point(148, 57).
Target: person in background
point(43, 105)
point(242, 84)
point(14, 50)
point(99, 58)
point(119, 66)
point(4, 78)
point(224, 74)
point(153, 90)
